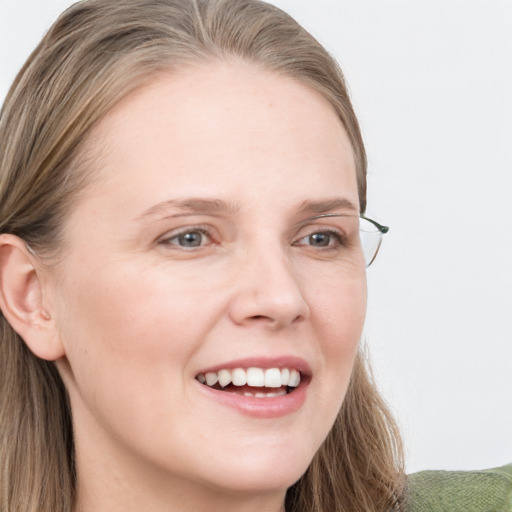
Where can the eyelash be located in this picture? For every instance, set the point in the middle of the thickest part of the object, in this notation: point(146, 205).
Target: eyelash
point(339, 238)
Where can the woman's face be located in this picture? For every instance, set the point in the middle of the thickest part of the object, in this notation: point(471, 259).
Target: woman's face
point(200, 247)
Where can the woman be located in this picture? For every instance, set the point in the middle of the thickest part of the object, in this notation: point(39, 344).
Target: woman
point(182, 278)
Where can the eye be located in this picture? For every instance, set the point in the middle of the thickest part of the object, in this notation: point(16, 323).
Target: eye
point(189, 238)
point(192, 239)
point(322, 239)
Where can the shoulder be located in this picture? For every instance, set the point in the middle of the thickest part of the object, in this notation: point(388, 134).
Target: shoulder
point(488, 490)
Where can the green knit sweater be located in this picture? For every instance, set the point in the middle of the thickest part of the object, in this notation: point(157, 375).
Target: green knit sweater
point(488, 490)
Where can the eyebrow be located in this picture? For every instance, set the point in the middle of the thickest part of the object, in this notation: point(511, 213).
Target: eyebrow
point(192, 205)
point(185, 206)
point(328, 205)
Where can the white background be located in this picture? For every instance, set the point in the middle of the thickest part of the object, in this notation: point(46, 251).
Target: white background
point(432, 84)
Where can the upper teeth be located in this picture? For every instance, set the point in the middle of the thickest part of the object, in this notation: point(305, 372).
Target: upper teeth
point(255, 377)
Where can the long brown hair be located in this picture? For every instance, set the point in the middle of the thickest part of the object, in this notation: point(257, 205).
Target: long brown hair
point(93, 56)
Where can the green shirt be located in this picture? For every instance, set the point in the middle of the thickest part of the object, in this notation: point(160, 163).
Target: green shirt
point(488, 490)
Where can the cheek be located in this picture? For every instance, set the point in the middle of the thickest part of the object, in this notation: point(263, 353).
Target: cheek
point(125, 330)
point(129, 342)
point(129, 307)
point(339, 308)
point(339, 315)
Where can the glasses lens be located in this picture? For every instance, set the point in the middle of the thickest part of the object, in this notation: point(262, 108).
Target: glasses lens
point(371, 238)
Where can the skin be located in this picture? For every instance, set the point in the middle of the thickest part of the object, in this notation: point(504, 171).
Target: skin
point(138, 316)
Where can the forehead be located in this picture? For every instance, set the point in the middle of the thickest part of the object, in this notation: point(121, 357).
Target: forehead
point(221, 130)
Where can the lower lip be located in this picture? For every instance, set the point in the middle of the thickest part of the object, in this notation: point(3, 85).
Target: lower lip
point(273, 407)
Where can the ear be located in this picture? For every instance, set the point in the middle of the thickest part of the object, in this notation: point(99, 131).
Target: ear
point(22, 298)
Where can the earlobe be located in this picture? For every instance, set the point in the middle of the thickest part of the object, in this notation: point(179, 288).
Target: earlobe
point(22, 299)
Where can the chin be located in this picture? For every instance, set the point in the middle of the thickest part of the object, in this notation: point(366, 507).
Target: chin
point(274, 472)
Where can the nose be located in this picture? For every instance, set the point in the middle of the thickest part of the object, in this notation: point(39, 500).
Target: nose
point(268, 292)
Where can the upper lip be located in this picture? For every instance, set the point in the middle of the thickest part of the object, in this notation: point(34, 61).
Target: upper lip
point(264, 362)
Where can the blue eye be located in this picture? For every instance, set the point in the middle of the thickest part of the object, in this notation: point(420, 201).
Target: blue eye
point(188, 239)
point(192, 239)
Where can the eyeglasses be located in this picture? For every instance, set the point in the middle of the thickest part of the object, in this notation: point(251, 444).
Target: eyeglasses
point(370, 233)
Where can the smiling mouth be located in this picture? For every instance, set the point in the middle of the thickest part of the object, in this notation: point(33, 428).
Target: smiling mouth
point(253, 381)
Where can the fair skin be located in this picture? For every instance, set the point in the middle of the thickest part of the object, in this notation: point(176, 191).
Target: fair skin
point(199, 247)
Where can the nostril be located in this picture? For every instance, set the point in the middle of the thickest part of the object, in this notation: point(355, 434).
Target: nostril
point(275, 320)
point(299, 319)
